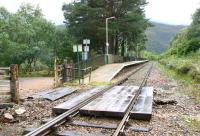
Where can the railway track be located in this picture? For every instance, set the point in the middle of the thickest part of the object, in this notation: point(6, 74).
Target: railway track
point(48, 127)
point(122, 124)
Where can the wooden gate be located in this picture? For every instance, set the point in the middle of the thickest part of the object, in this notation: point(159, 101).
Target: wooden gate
point(67, 71)
point(64, 72)
point(9, 84)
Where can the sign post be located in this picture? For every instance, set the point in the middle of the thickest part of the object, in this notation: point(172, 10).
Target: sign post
point(86, 50)
point(78, 48)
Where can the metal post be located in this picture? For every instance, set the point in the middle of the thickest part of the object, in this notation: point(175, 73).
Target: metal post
point(78, 62)
point(137, 52)
point(107, 43)
point(87, 54)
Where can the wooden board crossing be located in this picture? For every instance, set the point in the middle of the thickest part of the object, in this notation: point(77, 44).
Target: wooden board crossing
point(112, 103)
point(143, 108)
point(76, 100)
point(54, 94)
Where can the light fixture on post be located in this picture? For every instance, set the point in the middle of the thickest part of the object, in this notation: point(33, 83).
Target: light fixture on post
point(107, 43)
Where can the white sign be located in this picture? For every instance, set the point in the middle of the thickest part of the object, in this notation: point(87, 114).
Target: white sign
point(86, 41)
point(86, 48)
point(77, 48)
point(84, 56)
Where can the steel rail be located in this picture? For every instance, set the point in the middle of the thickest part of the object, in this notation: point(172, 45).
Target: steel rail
point(47, 128)
point(126, 117)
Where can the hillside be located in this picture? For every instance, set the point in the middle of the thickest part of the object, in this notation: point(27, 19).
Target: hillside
point(160, 35)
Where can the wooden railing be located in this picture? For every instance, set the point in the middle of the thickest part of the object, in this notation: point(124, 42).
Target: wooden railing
point(69, 71)
point(9, 84)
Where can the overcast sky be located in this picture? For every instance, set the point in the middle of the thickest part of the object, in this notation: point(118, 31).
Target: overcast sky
point(177, 12)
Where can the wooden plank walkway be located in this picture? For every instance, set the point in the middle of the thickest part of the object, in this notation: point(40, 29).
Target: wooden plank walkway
point(143, 108)
point(76, 100)
point(54, 94)
point(107, 72)
point(113, 103)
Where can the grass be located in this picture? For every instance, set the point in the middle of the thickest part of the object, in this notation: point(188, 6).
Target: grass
point(99, 83)
point(192, 123)
point(189, 85)
point(188, 65)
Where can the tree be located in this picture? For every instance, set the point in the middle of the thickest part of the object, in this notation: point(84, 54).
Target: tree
point(86, 19)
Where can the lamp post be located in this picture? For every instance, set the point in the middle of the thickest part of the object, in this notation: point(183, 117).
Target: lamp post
point(107, 43)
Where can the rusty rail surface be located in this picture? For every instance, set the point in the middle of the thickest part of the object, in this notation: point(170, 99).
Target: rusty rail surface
point(48, 127)
point(120, 129)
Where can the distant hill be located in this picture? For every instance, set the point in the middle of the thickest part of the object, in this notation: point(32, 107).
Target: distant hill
point(61, 27)
point(160, 35)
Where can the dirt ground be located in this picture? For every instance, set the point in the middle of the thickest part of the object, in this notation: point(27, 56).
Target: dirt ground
point(28, 86)
point(181, 118)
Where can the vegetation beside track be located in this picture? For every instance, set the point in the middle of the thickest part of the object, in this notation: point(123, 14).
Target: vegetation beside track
point(188, 85)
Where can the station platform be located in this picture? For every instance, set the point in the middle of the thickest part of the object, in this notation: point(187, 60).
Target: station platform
point(107, 72)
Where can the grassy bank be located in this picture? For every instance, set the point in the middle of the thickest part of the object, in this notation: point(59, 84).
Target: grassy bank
point(190, 86)
point(187, 65)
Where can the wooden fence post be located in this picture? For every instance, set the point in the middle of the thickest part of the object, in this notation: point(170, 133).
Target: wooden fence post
point(67, 71)
point(14, 83)
point(64, 73)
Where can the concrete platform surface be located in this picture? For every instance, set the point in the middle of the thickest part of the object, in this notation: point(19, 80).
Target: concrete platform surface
point(107, 72)
point(113, 103)
point(71, 102)
point(143, 108)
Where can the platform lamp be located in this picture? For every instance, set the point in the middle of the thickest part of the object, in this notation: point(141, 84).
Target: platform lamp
point(107, 43)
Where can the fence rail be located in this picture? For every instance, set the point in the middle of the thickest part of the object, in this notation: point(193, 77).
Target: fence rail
point(69, 71)
point(9, 84)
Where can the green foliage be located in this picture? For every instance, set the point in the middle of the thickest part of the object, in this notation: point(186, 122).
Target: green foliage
point(183, 54)
point(27, 38)
point(184, 65)
point(149, 55)
point(186, 41)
